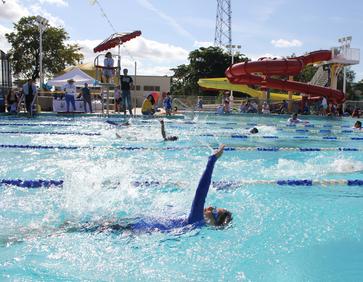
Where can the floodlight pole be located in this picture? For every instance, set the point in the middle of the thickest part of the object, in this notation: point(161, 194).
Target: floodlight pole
point(233, 49)
point(42, 25)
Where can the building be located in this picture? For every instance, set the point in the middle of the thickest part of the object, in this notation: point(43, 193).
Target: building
point(5, 78)
point(145, 84)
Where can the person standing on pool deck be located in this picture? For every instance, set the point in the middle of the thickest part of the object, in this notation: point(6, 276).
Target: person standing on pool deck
point(70, 92)
point(29, 91)
point(126, 84)
point(198, 215)
point(86, 95)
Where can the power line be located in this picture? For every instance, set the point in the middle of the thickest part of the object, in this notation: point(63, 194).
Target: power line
point(103, 14)
point(109, 22)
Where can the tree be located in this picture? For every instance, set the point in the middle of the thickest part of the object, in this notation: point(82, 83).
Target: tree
point(306, 74)
point(24, 52)
point(203, 63)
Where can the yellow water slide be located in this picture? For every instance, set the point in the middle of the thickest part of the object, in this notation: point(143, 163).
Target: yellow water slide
point(224, 84)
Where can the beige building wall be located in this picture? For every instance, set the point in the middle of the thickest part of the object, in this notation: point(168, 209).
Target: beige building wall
point(145, 84)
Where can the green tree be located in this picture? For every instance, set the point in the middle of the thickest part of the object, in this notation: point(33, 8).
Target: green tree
point(349, 89)
point(306, 74)
point(24, 52)
point(203, 63)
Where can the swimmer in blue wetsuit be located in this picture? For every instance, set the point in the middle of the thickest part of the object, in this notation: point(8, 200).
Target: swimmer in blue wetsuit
point(198, 216)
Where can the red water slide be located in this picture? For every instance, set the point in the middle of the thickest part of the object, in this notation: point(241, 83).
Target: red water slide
point(245, 73)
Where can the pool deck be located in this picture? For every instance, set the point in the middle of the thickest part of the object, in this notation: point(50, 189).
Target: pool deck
point(138, 114)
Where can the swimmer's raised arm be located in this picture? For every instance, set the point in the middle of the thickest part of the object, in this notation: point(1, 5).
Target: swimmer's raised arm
point(162, 128)
point(166, 138)
point(197, 210)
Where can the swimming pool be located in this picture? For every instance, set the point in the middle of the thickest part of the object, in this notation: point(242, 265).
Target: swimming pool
point(280, 232)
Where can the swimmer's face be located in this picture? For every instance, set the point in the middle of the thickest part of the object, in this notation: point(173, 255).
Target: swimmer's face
point(217, 216)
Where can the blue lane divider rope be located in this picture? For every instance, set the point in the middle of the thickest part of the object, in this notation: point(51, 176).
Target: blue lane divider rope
point(320, 131)
point(226, 185)
point(38, 124)
point(44, 147)
point(37, 183)
point(278, 125)
point(230, 148)
point(218, 185)
point(50, 133)
point(315, 138)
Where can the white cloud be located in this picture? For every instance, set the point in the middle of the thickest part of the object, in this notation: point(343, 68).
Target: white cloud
point(199, 44)
point(12, 10)
point(284, 43)
point(59, 3)
point(152, 57)
point(171, 21)
point(255, 57)
point(4, 45)
point(36, 9)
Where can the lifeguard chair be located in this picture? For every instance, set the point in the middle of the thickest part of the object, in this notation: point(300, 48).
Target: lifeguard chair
point(116, 39)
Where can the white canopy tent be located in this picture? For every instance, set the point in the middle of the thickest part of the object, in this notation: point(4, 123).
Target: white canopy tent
point(77, 75)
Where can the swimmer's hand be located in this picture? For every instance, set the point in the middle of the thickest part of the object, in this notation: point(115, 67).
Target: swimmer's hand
point(219, 151)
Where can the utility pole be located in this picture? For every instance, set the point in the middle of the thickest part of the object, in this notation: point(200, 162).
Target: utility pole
point(42, 24)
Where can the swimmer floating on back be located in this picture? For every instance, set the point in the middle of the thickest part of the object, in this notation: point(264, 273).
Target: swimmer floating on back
point(166, 138)
point(198, 215)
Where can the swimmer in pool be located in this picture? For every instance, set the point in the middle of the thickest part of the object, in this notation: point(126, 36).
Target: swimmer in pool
point(253, 130)
point(295, 120)
point(358, 125)
point(198, 216)
point(166, 138)
point(127, 123)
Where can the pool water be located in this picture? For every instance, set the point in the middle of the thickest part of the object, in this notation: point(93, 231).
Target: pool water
point(278, 232)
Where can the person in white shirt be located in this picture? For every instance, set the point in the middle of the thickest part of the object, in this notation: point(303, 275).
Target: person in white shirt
point(108, 71)
point(324, 105)
point(295, 120)
point(265, 108)
point(70, 93)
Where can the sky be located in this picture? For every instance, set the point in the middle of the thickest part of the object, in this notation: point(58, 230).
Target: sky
point(171, 29)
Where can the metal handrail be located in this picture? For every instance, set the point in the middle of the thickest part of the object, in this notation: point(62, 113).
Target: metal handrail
point(32, 104)
point(18, 109)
